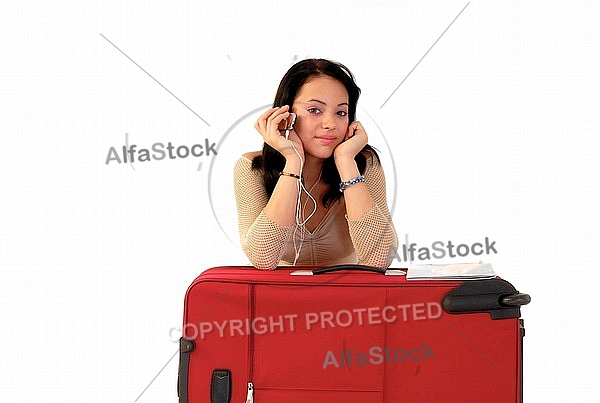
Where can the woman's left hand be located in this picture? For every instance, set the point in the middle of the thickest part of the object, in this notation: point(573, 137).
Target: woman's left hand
point(354, 141)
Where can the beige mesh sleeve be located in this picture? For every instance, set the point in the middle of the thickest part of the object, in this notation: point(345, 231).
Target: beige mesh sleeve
point(262, 240)
point(373, 236)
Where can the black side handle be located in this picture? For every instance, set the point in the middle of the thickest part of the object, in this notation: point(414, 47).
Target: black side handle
point(353, 267)
point(186, 346)
point(495, 296)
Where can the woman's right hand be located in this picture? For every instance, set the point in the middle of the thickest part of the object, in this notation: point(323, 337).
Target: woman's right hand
point(271, 125)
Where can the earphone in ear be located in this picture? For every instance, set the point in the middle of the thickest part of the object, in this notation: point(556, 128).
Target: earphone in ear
point(291, 126)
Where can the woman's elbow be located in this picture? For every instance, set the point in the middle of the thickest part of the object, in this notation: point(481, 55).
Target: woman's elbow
point(382, 262)
point(383, 254)
point(261, 265)
point(260, 261)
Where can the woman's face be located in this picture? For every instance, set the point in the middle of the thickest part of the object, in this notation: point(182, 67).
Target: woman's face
point(322, 109)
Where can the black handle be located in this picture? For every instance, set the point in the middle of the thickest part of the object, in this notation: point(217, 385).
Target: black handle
point(353, 267)
point(516, 299)
point(220, 386)
point(495, 296)
point(186, 346)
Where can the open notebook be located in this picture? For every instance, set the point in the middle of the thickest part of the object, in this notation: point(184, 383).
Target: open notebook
point(455, 271)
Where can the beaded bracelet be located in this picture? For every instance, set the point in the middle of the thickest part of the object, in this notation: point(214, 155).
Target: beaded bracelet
point(289, 174)
point(352, 181)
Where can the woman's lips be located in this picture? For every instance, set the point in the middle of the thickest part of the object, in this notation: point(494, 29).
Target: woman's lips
point(325, 140)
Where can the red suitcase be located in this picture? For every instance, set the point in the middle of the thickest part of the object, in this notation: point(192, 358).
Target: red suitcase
point(348, 335)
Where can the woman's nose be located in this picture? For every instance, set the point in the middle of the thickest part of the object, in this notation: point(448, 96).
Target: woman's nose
point(328, 121)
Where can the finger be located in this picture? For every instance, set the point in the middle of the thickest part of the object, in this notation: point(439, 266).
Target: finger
point(278, 111)
point(360, 130)
point(274, 112)
point(278, 116)
point(265, 116)
point(268, 113)
point(261, 122)
point(351, 130)
point(275, 121)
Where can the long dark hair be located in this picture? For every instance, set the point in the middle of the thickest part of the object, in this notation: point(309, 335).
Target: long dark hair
point(270, 163)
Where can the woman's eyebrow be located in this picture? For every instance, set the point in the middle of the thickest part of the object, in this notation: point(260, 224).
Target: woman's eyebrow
point(321, 102)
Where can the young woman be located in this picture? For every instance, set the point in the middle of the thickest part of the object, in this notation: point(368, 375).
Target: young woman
point(317, 197)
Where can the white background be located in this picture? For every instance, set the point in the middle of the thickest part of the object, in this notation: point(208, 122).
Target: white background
point(496, 133)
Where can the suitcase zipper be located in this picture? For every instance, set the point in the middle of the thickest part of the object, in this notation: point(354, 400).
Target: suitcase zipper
point(250, 393)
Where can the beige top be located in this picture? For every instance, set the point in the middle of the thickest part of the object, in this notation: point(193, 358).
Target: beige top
point(370, 240)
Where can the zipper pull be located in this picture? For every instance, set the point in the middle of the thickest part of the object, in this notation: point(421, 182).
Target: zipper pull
point(250, 395)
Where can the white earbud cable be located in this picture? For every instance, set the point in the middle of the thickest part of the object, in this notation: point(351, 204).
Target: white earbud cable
point(300, 221)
